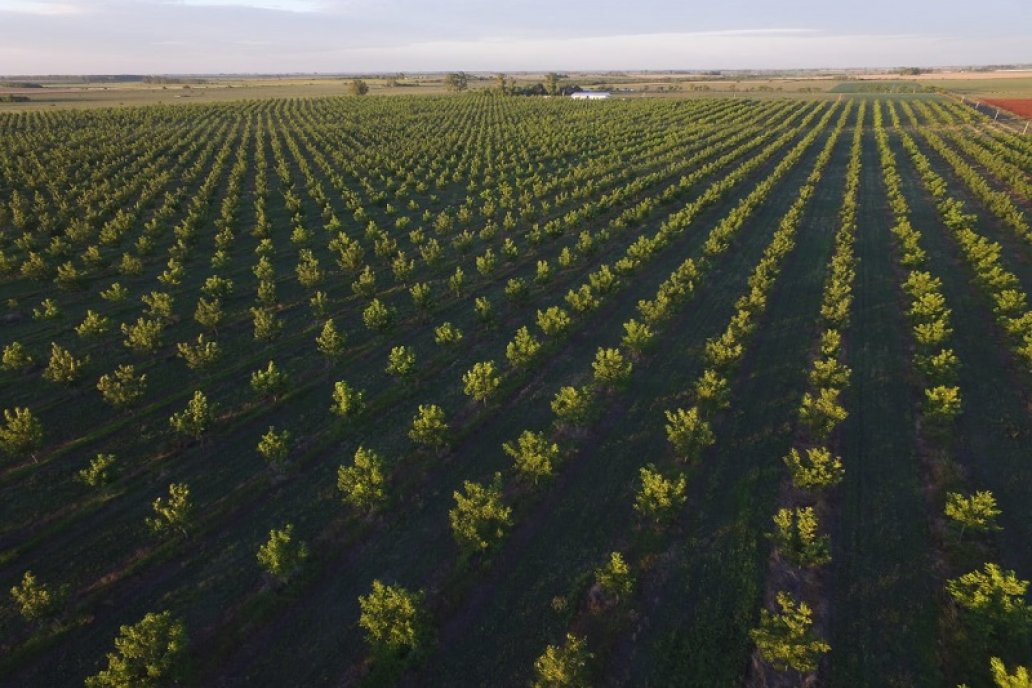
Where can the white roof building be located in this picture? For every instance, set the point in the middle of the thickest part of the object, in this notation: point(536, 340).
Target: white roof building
point(590, 95)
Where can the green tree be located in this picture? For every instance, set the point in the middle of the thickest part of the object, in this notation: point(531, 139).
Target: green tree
point(347, 401)
point(1021, 678)
point(266, 325)
point(815, 469)
point(554, 321)
point(688, 433)
point(523, 348)
point(143, 336)
point(615, 577)
point(822, 412)
point(280, 556)
point(401, 362)
point(552, 83)
point(977, 512)
point(16, 358)
point(148, 654)
point(479, 518)
point(196, 419)
point(456, 81)
point(21, 434)
point(93, 325)
point(994, 600)
point(392, 618)
point(201, 355)
point(172, 515)
point(330, 343)
point(35, 600)
point(270, 381)
point(209, 313)
point(659, 498)
point(533, 454)
point(481, 381)
point(565, 666)
point(357, 87)
point(572, 406)
point(123, 388)
point(447, 334)
point(362, 483)
point(63, 367)
point(785, 639)
point(100, 471)
point(377, 316)
point(796, 537)
point(610, 368)
point(429, 427)
point(274, 447)
point(637, 339)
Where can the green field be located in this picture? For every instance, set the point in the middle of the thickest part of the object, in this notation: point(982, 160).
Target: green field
point(764, 250)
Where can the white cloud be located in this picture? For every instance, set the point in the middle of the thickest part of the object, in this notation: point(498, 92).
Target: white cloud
point(48, 9)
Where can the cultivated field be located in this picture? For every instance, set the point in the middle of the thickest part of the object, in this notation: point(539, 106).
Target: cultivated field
point(606, 378)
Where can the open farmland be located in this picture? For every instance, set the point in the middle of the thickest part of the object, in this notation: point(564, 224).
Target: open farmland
point(472, 346)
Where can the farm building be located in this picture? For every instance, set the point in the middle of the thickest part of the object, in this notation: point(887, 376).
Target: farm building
point(590, 95)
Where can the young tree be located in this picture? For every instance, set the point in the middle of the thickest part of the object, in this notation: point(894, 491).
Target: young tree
point(785, 639)
point(281, 557)
point(658, 498)
point(330, 343)
point(523, 348)
point(144, 336)
point(481, 381)
point(554, 321)
point(362, 483)
point(688, 433)
point(16, 358)
point(637, 338)
point(712, 391)
point(100, 471)
point(479, 518)
point(942, 404)
point(274, 447)
point(610, 368)
point(200, 356)
point(148, 654)
point(1021, 678)
point(266, 325)
point(35, 600)
point(21, 434)
point(93, 325)
point(796, 537)
point(357, 87)
point(392, 618)
point(401, 362)
point(195, 419)
point(823, 412)
point(174, 514)
point(447, 334)
point(615, 577)
point(429, 427)
point(977, 512)
point(994, 600)
point(456, 81)
point(818, 470)
point(269, 382)
point(123, 388)
point(347, 401)
point(572, 406)
point(63, 367)
point(209, 313)
point(565, 666)
point(377, 316)
point(533, 454)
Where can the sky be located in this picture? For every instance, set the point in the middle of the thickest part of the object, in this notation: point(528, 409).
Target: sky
point(333, 36)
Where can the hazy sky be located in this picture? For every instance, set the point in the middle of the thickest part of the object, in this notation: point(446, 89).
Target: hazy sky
point(209, 36)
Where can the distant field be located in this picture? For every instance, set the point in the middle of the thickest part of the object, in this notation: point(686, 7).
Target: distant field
point(839, 273)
